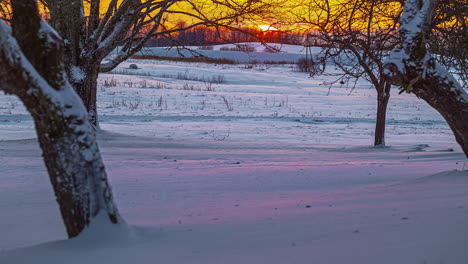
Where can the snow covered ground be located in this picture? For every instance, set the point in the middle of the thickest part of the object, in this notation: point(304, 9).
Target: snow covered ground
point(257, 52)
point(245, 164)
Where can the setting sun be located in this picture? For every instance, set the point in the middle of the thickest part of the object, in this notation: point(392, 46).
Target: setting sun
point(267, 27)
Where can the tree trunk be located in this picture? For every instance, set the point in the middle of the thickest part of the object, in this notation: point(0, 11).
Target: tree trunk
point(441, 94)
point(31, 67)
point(81, 64)
point(383, 95)
point(413, 69)
point(84, 81)
point(75, 166)
point(448, 103)
point(66, 17)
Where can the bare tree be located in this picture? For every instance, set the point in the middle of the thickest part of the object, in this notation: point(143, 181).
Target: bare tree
point(89, 38)
point(32, 68)
point(414, 69)
point(355, 36)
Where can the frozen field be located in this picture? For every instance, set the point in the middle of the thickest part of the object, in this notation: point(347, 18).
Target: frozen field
point(246, 164)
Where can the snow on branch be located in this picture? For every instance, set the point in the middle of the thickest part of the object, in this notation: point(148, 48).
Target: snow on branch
point(411, 62)
point(64, 97)
point(415, 22)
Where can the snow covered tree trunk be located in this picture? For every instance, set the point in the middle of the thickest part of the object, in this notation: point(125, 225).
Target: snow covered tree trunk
point(383, 95)
point(413, 69)
point(84, 81)
point(31, 67)
point(74, 165)
point(81, 65)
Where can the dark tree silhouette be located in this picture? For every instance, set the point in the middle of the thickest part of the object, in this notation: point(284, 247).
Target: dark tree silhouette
point(355, 36)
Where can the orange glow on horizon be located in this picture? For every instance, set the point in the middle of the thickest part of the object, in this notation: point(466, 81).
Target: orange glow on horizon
point(267, 28)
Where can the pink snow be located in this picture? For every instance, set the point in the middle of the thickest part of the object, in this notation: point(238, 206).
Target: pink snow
point(287, 176)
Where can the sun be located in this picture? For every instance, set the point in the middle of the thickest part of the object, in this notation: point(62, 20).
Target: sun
point(267, 28)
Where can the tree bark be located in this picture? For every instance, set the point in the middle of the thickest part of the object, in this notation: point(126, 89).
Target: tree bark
point(439, 94)
point(86, 88)
point(413, 69)
point(383, 95)
point(74, 164)
point(31, 67)
point(81, 65)
point(66, 17)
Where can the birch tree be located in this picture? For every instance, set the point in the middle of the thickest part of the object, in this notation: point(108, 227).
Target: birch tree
point(414, 70)
point(32, 67)
point(90, 36)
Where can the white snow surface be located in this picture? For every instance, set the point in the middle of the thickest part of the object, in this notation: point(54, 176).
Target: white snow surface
point(238, 164)
point(286, 53)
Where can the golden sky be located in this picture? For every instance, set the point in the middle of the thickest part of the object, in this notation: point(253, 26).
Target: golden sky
point(285, 16)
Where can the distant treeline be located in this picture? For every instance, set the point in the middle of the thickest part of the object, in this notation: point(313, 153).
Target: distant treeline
point(204, 36)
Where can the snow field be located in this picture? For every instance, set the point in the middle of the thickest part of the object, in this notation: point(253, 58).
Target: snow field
point(245, 164)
